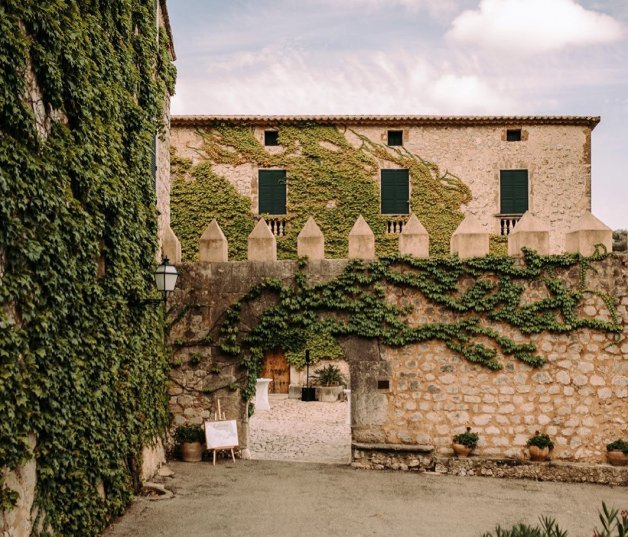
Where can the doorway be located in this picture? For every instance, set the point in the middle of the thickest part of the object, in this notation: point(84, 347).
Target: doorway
point(276, 367)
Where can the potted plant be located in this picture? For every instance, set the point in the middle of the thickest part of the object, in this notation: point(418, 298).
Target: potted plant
point(330, 382)
point(539, 446)
point(465, 442)
point(617, 453)
point(190, 439)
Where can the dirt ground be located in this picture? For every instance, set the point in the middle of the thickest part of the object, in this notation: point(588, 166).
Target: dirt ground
point(285, 499)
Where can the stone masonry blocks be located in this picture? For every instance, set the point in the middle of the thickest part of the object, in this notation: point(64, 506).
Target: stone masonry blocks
point(470, 239)
point(361, 240)
point(414, 239)
point(213, 247)
point(262, 245)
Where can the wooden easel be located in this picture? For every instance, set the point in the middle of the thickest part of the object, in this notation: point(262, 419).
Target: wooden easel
point(214, 451)
point(220, 416)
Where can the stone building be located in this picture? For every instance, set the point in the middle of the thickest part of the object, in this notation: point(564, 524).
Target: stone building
point(438, 167)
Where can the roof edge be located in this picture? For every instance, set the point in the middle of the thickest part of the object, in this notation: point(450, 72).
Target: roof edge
point(164, 13)
point(438, 121)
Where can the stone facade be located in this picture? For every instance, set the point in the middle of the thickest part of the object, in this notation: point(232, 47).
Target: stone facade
point(23, 480)
point(556, 151)
point(418, 396)
point(162, 144)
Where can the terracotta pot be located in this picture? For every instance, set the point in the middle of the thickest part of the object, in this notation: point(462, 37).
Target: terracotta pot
point(461, 450)
point(537, 453)
point(617, 458)
point(191, 451)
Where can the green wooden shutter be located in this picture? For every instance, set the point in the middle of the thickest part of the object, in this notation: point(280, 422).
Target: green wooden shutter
point(395, 192)
point(513, 186)
point(272, 192)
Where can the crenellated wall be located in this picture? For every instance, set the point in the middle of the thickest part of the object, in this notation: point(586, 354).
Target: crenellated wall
point(578, 396)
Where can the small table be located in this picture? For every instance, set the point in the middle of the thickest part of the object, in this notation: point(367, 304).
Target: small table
point(261, 394)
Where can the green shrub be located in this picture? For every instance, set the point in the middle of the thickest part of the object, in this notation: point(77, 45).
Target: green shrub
point(618, 445)
point(330, 375)
point(614, 524)
point(189, 433)
point(547, 528)
point(467, 438)
point(540, 440)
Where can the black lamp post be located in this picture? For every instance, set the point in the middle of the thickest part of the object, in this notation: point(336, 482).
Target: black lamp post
point(308, 393)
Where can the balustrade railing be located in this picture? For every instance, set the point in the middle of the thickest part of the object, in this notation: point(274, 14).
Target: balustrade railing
point(507, 222)
point(394, 224)
point(277, 225)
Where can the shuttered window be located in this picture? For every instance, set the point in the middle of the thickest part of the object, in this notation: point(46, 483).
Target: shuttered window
point(513, 186)
point(395, 138)
point(395, 192)
point(272, 192)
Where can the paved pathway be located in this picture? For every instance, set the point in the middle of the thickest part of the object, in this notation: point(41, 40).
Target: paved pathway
point(286, 499)
point(293, 430)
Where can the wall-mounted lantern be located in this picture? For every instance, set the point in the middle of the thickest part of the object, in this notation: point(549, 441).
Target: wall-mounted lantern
point(166, 278)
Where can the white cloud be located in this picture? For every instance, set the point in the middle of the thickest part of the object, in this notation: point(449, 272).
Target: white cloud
point(280, 81)
point(436, 8)
point(462, 94)
point(533, 26)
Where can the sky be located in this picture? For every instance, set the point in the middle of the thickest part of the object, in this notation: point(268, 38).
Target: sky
point(415, 57)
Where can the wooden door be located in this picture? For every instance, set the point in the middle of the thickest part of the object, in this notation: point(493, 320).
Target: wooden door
point(276, 367)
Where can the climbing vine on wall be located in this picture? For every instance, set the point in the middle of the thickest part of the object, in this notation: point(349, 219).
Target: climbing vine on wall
point(330, 179)
point(476, 296)
point(201, 195)
point(82, 366)
point(322, 346)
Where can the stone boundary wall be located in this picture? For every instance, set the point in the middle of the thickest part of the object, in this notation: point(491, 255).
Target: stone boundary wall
point(579, 397)
point(364, 458)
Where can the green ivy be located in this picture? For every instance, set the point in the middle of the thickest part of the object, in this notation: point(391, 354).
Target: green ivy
point(328, 178)
point(322, 346)
point(82, 366)
point(199, 195)
point(478, 294)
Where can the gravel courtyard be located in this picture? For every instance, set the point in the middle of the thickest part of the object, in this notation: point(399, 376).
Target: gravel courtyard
point(293, 430)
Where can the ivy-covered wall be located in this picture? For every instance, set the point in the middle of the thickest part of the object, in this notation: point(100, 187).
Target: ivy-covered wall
point(501, 344)
point(82, 365)
point(333, 173)
point(329, 178)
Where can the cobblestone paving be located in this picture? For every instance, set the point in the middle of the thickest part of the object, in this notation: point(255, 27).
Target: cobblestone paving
point(293, 430)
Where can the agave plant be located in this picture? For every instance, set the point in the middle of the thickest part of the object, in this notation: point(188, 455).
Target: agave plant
point(330, 375)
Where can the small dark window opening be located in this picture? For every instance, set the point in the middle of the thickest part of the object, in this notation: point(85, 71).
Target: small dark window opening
point(395, 137)
point(271, 138)
point(513, 135)
point(383, 384)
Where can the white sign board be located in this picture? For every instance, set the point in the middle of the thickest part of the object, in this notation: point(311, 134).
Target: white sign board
point(221, 434)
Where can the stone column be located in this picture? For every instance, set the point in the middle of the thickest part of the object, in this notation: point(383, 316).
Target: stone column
point(530, 232)
point(586, 233)
point(414, 239)
point(311, 242)
point(470, 239)
point(212, 246)
point(171, 247)
point(361, 240)
point(262, 243)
